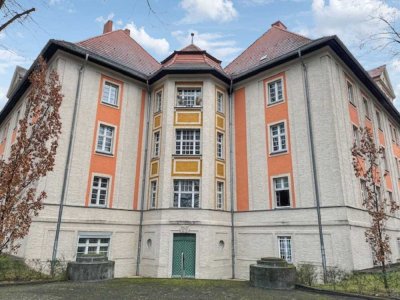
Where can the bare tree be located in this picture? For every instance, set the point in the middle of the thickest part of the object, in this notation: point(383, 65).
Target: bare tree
point(12, 11)
point(32, 156)
point(367, 157)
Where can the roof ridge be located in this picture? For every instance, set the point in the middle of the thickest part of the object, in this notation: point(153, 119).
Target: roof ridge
point(295, 33)
point(97, 36)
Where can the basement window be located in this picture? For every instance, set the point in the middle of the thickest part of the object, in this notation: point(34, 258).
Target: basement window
point(96, 245)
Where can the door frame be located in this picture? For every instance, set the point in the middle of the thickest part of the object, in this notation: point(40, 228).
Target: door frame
point(171, 251)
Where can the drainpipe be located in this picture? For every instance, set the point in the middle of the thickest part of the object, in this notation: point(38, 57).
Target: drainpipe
point(67, 163)
point(314, 168)
point(143, 181)
point(231, 179)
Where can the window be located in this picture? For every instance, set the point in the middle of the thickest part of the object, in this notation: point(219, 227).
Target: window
point(220, 145)
point(158, 102)
point(350, 92)
point(16, 120)
point(398, 167)
point(398, 245)
point(275, 91)
point(187, 142)
point(189, 97)
point(366, 108)
point(390, 197)
point(364, 192)
point(220, 195)
point(282, 194)
point(186, 193)
point(153, 194)
point(105, 139)
point(394, 135)
point(285, 248)
point(356, 136)
point(99, 191)
point(93, 245)
point(156, 144)
point(278, 138)
point(110, 93)
point(220, 102)
point(378, 120)
point(385, 162)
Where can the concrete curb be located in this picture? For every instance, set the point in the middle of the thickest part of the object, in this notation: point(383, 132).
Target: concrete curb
point(33, 282)
point(343, 294)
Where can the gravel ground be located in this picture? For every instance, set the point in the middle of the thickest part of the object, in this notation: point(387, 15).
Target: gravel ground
point(145, 288)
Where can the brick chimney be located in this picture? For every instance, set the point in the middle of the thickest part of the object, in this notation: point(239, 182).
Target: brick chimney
point(279, 24)
point(127, 31)
point(108, 27)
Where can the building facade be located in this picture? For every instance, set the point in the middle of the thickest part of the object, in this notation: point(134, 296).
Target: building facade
point(186, 168)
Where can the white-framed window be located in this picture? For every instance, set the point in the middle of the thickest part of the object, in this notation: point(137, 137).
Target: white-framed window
point(282, 191)
point(93, 245)
point(350, 92)
point(153, 193)
point(366, 108)
point(390, 197)
point(356, 135)
point(156, 143)
point(278, 137)
point(189, 97)
point(385, 161)
point(187, 142)
point(110, 93)
point(220, 195)
point(398, 246)
point(275, 91)
point(220, 145)
point(394, 135)
point(186, 193)
point(364, 192)
point(99, 194)
point(398, 167)
point(105, 139)
point(158, 102)
point(378, 120)
point(17, 119)
point(220, 102)
point(285, 248)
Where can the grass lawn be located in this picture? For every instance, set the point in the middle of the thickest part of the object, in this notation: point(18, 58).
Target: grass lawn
point(146, 288)
point(368, 284)
point(14, 269)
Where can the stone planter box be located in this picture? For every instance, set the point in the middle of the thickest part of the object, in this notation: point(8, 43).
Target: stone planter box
point(273, 273)
point(90, 268)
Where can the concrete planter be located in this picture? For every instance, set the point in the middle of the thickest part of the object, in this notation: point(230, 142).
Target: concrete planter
point(90, 268)
point(273, 273)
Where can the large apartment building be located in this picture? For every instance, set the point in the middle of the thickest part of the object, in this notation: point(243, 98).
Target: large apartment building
point(185, 167)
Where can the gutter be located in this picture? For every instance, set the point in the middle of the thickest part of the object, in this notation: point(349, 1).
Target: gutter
point(231, 179)
point(68, 162)
point(142, 197)
point(314, 166)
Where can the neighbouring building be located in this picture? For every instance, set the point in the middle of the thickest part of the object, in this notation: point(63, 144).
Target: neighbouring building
point(184, 165)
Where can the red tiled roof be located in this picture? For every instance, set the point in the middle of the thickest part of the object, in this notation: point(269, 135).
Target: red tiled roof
point(276, 42)
point(119, 47)
point(191, 55)
point(377, 71)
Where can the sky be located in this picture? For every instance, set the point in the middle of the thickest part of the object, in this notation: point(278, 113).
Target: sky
point(224, 28)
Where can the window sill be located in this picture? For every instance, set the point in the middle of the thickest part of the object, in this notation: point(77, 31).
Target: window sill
point(220, 113)
point(188, 107)
point(157, 112)
point(187, 156)
point(104, 153)
point(354, 105)
point(380, 129)
point(283, 207)
point(97, 206)
point(220, 159)
point(269, 104)
point(116, 106)
point(278, 152)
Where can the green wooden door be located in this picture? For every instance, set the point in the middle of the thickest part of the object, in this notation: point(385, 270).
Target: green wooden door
point(184, 255)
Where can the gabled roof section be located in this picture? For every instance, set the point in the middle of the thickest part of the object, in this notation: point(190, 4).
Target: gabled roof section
point(381, 76)
point(194, 56)
point(120, 48)
point(277, 41)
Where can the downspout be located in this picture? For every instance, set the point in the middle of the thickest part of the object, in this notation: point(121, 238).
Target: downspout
point(314, 168)
point(68, 162)
point(231, 179)
point(143, 180)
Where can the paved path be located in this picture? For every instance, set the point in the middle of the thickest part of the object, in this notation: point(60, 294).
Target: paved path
point(158, 289)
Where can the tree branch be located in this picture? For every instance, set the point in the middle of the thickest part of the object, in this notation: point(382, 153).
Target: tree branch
point(16, 17)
